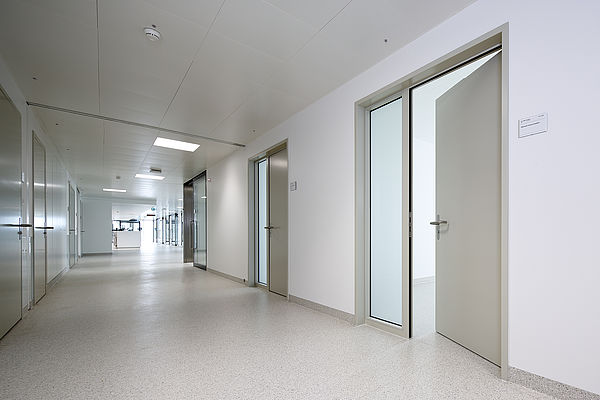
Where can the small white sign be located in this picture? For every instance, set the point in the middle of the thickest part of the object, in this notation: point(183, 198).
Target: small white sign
point(293, 186)
point(533, 125)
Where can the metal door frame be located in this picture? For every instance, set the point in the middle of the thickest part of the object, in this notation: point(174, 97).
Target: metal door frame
point(493, 39)
point(34, 139)
point(253, 216)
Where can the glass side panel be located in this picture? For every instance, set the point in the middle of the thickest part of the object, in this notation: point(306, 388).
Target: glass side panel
point(200, 221)
point(262, 233)
point(386, 213)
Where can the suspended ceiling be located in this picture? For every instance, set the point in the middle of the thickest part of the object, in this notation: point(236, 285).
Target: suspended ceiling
point(228, 69)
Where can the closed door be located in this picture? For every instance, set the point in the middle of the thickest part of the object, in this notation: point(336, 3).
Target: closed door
point(277, 224)
point(40, 255)
point(468, 184)
point(72, 247)
point(10, 215)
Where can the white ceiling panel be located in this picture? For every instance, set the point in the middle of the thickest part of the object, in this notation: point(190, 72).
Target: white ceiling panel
point(223, 75)
point(263, 111)
point(146, 74)
point(41, 39)
point(264, 27)
point(314, 12)
point(202, 12)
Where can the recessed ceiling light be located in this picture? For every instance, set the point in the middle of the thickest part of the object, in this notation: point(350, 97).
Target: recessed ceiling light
point(151, 33)
point(175, 144)
point(114, 190)
point(155, 177)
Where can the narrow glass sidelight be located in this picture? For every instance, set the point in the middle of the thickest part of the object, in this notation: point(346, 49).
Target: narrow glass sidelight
point(386, 212)
point(262, 211)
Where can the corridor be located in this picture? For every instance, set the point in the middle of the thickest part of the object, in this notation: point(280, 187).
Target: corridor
point(142, 325)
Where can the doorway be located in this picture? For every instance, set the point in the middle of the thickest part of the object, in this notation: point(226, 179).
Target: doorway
point(199, 229)
point(72, 237)
point(270, 226)
point(451, 115)
point(40, 220)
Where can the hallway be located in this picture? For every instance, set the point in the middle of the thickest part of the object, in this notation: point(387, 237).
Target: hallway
point(141, 325)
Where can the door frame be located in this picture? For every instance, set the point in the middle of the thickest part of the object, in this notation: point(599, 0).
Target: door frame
point(34, 139)
point(252, 215)
point(495, 38)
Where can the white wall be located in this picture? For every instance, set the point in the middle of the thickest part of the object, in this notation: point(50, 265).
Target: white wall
point(96, 226)
point(554, 320)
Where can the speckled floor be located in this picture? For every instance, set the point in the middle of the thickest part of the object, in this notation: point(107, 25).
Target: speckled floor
point(144, 326)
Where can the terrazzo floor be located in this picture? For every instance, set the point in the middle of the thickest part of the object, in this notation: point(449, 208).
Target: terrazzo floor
point(141, 325)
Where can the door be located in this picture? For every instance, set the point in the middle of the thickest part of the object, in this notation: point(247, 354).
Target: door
point(72, 247)
point(277, 225)
point(188, 220)
point(40, 231)
point(468, 184)
point(10, 215)
point(200, 221)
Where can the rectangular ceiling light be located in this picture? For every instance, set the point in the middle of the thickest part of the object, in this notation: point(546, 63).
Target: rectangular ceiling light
point(175, 144)
point(155, 177)
point(114, 190)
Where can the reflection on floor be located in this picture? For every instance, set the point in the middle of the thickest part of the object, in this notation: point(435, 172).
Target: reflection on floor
point(423, 297)
point(142, 325)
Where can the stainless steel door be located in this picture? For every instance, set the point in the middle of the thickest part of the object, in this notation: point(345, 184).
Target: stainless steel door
point(71, 226)
point(278, 222)
point(40, 255)
point(468, 132)
point(10, 215)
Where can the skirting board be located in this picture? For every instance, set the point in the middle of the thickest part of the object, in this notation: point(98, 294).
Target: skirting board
point(324, 309)
point(548, 386)
point(224, 275)
point(56, 279)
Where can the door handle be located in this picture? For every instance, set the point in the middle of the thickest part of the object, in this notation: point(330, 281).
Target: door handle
point(438, 223)
point(44, 227)
point(19, 225)
point(269, 227)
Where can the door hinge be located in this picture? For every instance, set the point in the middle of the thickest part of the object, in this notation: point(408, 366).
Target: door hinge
point(410, 224)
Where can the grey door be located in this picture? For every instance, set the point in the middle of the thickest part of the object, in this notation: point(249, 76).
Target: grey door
point(10, 215)
point(72, 246)
point(40, 242)
point(468, 134)
point(278, 223)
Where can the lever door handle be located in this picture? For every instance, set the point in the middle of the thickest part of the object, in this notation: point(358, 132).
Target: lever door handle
point(44, 227)
point(19, 225)
point(437, 223)
point(269, 227)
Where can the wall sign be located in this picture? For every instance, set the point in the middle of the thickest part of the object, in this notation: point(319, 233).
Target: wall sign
point(533, 125)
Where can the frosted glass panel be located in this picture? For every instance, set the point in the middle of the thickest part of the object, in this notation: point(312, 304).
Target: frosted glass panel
point(386, 213)
point(262, 222)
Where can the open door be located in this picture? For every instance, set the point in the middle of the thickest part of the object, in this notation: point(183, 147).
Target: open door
point(468, 204)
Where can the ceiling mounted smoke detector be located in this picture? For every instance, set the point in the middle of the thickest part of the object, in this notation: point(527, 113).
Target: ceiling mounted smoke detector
point(152, 34)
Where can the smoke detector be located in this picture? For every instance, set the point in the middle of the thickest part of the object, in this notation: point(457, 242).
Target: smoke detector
point(152, 34)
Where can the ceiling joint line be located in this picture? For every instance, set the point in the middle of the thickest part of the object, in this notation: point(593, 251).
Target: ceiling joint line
point(132, 123)
point(191, 63)
point(320, 30)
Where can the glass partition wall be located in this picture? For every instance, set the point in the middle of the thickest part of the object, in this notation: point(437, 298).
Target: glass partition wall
point(199, 221)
